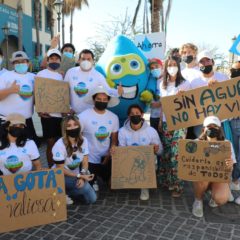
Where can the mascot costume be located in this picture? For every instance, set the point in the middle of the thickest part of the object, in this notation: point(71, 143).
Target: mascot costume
point(123, 63)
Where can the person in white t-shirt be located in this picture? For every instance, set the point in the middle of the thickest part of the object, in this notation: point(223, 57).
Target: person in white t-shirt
point(84, 79)
point(136, 132)
point(51, 122)
point(16, 92)
point(220, 192)
point(2, 70)
point(71, 152)
point(100, 127)
point(17, 153)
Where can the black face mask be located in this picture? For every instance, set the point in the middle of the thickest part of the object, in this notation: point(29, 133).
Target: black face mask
point(101, 105)
point(177, 59)
point(74, 133)
point(187, 59)
point(16, 131)
point(212, 132)
point(135, 119)
point(206, 69)
point(54, 65)
point(235, 72)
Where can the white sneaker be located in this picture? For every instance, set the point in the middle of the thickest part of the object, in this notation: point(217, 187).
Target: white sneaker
point(234, 186)
point(69, 201)
point(95, 186)
point(144, 194)
point(237, 200)
point(212, 203)
point(197, 209)
point(231, 197)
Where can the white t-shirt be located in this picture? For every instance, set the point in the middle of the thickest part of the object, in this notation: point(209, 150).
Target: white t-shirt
point(46, 73)
point(146, 135)
point(155, 112)
point(81, 83)
point(21, 102)
point(70, 163)
point(18, 159)
point(191, 73)
point(3, 71)
point(202, 81)
point(97, 128)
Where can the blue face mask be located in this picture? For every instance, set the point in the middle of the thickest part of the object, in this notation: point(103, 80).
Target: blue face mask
point(21, 68)
point(68, 54)
point(156, 73)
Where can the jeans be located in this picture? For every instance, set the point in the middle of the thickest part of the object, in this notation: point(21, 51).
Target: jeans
point(86, 191)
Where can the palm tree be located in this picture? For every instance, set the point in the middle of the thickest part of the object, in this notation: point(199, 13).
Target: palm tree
point(20, 28)
point(51, 19)
point(37, 21)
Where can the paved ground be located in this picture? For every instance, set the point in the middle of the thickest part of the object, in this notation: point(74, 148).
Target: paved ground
point(119, 214)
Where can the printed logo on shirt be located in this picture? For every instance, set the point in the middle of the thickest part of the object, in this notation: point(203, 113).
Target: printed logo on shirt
point(101, 134)
point(90, 79)
point(94, 122)
point(25, 92)
point(75, 78)
point(13, 164)
point(110, 122)
point(75, 163)
point(135, 144)
point(80, 89)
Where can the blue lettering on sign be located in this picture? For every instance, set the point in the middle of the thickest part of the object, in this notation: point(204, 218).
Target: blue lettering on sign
point(3, 186)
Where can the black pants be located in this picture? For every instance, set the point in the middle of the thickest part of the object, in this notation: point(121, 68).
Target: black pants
point(31, 133)
point(100, 170)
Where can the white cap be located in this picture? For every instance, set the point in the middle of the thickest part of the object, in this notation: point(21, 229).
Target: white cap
point(204, 54)
point(211, 120)
point(19, 55)
point(53, 51)
point(100, 89)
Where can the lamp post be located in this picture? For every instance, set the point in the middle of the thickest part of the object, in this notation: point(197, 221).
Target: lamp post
point(233, 55)
point(58, 4)
point(5, 30)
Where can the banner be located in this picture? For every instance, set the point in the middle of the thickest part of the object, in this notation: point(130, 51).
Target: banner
point(133, 167)
point(51, 96)
point(203, 160)
point(191, 107)
point(32, 199)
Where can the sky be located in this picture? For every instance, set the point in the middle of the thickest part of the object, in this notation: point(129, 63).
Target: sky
point(211, 23)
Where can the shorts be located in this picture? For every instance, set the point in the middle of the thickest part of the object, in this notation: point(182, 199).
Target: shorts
point(51, 127)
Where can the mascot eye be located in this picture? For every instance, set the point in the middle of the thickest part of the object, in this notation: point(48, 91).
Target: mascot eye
point(116, 69)
point(134, 64)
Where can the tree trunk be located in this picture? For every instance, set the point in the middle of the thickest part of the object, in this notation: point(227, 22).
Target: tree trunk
point(63, 29)
point(37, 21)
point(71, 25)
point(51, 23)
point(20, 28)
point(156, 6)
point(135, 15)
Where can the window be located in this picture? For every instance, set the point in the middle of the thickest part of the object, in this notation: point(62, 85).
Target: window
point(47, 20)
point(40, 15)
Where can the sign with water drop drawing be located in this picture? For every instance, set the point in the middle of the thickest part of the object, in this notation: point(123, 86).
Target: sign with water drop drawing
point(133, 167)
point(152, 45)
point(51, 96)
point(32, 199)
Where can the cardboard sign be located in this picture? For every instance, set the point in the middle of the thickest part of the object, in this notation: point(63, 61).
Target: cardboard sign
point(152, 45)
point(203, 160)
point(66, 64)
point(191, 107)
point(32, 199)
point(133, 167)
point(51, 96)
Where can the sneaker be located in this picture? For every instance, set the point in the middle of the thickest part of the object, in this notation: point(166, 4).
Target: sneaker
point(197, 209)
point(69, 201)
point(237, 201)
point(144, 194)
point(212, 203)
point(95, 186)
point(231, 197)
point(234, 186)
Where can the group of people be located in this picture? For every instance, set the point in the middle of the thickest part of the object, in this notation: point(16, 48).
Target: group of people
point(83, 141)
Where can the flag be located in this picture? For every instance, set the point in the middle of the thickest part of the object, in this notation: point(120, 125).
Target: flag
point(235, 49)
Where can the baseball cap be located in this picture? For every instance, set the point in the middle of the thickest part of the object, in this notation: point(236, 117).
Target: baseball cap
point(204, 54)
point(15, 118)
point(53, 51)
point(155, 60)
point(19, 55)
point(211, 120)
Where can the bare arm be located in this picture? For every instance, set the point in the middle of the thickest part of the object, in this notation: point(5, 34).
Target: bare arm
point(37, 164)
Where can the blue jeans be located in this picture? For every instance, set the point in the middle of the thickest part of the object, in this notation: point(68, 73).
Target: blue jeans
point(86, 191)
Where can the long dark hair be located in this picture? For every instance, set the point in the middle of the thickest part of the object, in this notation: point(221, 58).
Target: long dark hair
point(166, 75)
point(220, 136)
point(67, 143)
point(4, 141)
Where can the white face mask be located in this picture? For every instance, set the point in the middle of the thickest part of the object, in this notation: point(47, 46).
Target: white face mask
point(172, 71)
point(1, 60)
point(86, 65)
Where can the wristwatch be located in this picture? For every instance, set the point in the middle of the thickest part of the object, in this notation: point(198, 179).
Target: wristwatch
point(78, 176)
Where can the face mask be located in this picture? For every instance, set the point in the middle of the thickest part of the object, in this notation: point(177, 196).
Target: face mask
point(206, 69)
point(54, 65)
point(156, 73)
point(73, 132)
point(172, 71)
point(86, 65)
point(212, 132)
point(135, 119)
point(16, 131)
point(187, 59)
point(1, 60)
point(235, 72)
point(101, 105)
point(177, 59)
point(21, 68)
point(68, 54)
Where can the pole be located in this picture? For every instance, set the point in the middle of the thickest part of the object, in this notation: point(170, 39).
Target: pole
point(7, 51)
point(59, 18)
